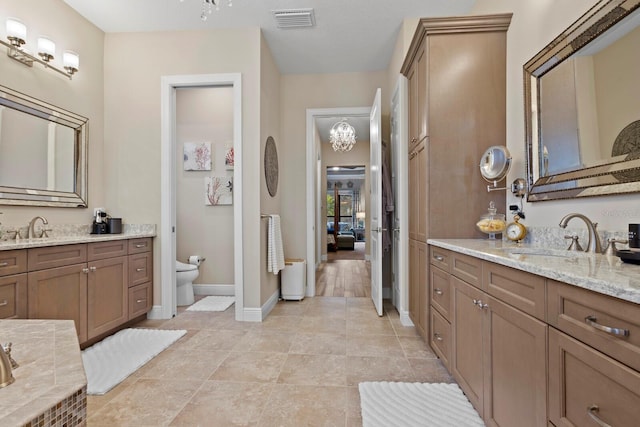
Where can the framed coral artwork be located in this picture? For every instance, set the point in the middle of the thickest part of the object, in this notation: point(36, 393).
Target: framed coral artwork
point(229, 160)
point(197, 156)
point(218, 190)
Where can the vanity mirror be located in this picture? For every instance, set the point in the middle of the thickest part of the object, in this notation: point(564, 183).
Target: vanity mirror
point(582, 112)
point(43, 153)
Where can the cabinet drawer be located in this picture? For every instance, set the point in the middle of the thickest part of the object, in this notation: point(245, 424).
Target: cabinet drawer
point(13, 296)
point(140, 299)
point(520, 289)
point(440, 257)
point(581, 378)
point(440, 290)
point(441, 337)
point(467, 268)
point(109, 249)
point(56, 256)
point(137, 246)
point(13, 262)
point(574, 311)
point(140, 268)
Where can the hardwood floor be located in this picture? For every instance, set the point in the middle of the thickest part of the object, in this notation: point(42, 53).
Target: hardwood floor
point(344, 278)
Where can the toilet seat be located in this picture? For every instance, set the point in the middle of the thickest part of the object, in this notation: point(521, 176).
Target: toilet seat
point(181, 266)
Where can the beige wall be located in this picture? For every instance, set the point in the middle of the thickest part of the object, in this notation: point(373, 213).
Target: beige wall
point(204, 115)
point(534, 25)
point(132, 123)
point(82, 95)
point(269, 126)
point(312, 91)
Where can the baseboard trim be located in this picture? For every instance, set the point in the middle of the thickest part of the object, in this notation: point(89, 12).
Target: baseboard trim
point(220, 290)
point(252, 315)
point(259, 314)
point(404, 318)
point(270, 304)
point(155, 313)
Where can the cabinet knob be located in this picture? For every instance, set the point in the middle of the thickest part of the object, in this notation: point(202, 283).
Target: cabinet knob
point(3, 303)
point(92, 268)
point(439, 258)
point(437, 336)
point(438, 291)
point(3, 264)
point(140, 269)
point(85, 270)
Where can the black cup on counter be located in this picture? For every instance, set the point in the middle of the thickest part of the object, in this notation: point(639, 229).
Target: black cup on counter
point(99, 228)
point(114, 225)
point(634, 236)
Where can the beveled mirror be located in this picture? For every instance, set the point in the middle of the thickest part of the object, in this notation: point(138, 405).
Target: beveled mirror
point(43, 153)
point(582, 108)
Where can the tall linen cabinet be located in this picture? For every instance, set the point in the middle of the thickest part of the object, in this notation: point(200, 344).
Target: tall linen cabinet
point(456, 69)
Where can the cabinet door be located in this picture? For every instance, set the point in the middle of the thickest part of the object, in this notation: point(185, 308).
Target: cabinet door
point(467, 357)
point(423, 288)
point(13, 296)
point(107, 294)
point(582, 379)
point(60, 293)
point(412, 78)
point(418, 206)
point(515, 353)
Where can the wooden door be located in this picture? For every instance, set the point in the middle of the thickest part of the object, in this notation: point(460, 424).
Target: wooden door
point(515, 349)
point(60, 293)
point(467, 363)
point(107, 295)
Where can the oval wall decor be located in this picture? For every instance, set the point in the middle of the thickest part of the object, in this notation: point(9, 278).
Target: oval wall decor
point(271, 166)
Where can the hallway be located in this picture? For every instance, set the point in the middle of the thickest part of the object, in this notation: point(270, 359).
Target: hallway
point(344, 278)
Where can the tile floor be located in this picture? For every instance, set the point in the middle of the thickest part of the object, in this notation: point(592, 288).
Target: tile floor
point(299, 367)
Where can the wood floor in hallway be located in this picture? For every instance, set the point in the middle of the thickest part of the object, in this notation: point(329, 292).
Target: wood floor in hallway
point(344, 278)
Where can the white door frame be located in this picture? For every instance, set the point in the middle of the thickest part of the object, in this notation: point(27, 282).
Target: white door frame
point(166, 234)
point(314, 238)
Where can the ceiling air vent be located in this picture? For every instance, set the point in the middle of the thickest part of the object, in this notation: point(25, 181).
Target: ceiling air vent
point(294, 18)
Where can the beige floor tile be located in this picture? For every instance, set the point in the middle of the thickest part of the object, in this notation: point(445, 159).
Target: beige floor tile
point(323, 324)
point(299, 405)
point(430, 371)
point(374, 345)
point(353, 402)
point(376, 326)
point(403, 331)
point(281, 323)
point(319, 343)
point(314, 369)
point(360, 369)
point(266, 340)
point(416, 347)
point(132, 406)
point(221, 403)
point(214, 340)
point(183, 364)
point(289, 308)
point(250, 367)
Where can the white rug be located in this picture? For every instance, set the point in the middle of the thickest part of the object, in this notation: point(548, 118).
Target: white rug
point(212, 303)
point(113, 359)
point(386, 404)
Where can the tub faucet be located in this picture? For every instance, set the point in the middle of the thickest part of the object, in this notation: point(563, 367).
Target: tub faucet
point(593, 245)
point(31, 232)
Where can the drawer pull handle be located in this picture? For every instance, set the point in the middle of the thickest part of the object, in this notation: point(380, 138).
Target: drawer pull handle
point(592, 321)
point(3, 264)
point(592, 411)
point(138, 301)
point(3, 303)
point(141, 245)
point(438, 291)
point(140, 269)
point(480, 304)
point(437, 337)
point(439, 258)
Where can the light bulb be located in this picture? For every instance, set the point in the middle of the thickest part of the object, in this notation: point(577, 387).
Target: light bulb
point(71, 61)
point(16, 32)
point(46, 48)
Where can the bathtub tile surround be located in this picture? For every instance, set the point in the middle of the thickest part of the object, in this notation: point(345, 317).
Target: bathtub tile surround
point(302, 380)
point(50, 383)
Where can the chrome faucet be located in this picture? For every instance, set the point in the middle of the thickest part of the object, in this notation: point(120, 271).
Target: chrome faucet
point(593, 245)
point(31, 232)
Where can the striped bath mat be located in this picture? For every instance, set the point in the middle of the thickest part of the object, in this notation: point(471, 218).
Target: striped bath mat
point(386, 404)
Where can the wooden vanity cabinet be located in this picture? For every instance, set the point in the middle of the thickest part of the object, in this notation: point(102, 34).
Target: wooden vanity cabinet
point(140, 277)
point(13, 284)
point(452, 121)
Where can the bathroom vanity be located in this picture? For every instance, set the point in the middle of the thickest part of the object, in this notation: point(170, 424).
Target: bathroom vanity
point(101, 282)
point(536, 336)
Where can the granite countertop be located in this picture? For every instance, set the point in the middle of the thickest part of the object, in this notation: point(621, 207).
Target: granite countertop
point(67, 235)
point(603, 274)
point(50, 368)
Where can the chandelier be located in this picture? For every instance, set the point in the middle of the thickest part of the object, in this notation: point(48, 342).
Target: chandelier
point(207, 7)
point(342, 136)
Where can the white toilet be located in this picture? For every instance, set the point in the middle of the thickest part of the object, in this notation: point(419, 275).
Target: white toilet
point(185, 275)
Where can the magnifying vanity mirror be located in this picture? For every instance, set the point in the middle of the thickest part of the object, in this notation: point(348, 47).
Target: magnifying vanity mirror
point(582, 109)
point(494, 165)
point(43, 153)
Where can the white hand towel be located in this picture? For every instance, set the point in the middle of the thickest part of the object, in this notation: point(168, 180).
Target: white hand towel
point(275, 253)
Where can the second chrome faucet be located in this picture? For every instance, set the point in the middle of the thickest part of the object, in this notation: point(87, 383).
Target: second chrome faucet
point(31, 232)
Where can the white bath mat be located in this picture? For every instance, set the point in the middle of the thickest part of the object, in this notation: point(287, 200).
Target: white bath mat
point(386, 404)
point(212, 303)
point(113, 359)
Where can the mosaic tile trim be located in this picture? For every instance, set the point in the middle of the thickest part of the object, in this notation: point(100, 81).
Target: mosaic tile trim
point(70, 412)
